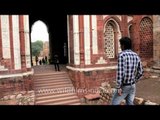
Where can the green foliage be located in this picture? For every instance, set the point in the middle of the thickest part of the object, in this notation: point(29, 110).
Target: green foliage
point(37, 46)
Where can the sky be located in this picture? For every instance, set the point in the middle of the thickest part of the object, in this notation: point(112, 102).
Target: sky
point(39, 32)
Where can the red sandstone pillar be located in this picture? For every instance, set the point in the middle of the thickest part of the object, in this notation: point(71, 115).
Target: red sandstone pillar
point(71, 39)
point(136, 37)
point(90, 18)
point(81, 45)
point(11, 43)
point(100, 34)
point(22, 43)
point(81, 40)
point(124, 26)
point(1, 50)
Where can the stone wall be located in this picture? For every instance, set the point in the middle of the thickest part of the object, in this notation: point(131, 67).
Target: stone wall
point(91, 80)
point(15, 84)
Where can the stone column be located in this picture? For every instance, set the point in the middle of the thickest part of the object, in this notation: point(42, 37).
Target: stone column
point(136, 36)
point(22, 43)
point(71, 49)
point(100, 34)
point(0, 42)
point(11, 42)
point(81, 39)
point(156, 41)
point(124, 25)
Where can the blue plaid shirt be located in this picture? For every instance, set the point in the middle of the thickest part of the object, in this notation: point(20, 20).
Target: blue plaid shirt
point(129, 68)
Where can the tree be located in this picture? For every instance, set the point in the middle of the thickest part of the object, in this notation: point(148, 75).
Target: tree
point(37, 46)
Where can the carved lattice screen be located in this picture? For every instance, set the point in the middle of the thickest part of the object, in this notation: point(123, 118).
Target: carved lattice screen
point(146, 38)
point(109, 41)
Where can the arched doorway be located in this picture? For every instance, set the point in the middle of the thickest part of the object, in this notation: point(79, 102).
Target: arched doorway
point(57, 30)
point(40, 43)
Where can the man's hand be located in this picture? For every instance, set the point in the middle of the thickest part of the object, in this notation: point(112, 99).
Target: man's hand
point(119, 91)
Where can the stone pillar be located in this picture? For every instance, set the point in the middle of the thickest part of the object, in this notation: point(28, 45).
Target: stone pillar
point(27, 42)
point(22, 43)
point(82, 51)
point(91, 35)
point(0, 41)
point(71, 49)
point(156, 41)
point(81, 39)
point(124, 26)
point(100, 34)
point(11, 43)
point(136, 37)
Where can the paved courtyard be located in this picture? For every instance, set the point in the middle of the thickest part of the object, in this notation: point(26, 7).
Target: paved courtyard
point(149, 89)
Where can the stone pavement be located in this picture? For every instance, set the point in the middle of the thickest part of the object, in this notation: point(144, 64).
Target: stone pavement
point(47, 68)
point(147, 93)
point(149, 89)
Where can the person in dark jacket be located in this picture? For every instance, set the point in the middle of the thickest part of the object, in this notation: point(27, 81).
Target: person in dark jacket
point(56, 62)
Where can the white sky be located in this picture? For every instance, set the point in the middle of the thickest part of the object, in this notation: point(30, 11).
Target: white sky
point(39, 32)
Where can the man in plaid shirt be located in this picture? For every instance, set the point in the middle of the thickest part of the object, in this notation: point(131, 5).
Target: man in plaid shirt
point(129, 72)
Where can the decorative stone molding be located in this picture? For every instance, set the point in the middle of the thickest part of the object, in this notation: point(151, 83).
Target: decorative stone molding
point(101, 61)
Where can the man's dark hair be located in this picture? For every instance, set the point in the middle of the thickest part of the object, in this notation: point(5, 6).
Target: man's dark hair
point(126, 41)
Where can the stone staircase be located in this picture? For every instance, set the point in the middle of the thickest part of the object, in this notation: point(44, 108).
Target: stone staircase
point(54, 88)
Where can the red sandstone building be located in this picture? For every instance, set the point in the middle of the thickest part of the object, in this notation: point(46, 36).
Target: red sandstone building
point(45, 50)
point(15, 59)
point(92, 46)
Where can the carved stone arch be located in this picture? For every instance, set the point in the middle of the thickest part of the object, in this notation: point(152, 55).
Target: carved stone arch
point(115, 19)
point(44, 22)
point(111, 36)
point(146, 38)
point(147, 16)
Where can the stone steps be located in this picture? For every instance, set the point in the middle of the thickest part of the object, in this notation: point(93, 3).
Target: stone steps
point(56, 100)
point(50, 74)
point(53, 86)
point(54, 89)
point(52, 83)
point(50, 78)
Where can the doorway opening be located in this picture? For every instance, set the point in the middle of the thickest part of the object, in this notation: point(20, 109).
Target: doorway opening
point(40, 44)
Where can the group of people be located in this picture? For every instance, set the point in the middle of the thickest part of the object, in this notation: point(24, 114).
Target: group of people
point(44, 61)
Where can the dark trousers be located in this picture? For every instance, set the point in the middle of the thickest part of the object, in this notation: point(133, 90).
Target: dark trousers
point(56, 65)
